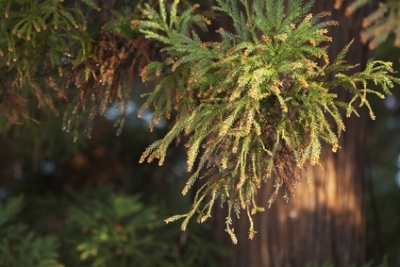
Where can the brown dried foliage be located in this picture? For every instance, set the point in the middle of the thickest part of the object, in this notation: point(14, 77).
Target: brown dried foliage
point(109, 77)
point(13, 105)
point(105, 77)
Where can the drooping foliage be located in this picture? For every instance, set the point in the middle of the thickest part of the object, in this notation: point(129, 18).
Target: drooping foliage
point(255, 105)
point(47, 52)
point(37, 38)
point(252, 107)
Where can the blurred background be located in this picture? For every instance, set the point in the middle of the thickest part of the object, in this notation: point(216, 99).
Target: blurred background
point(383, 174)
point(88, 202)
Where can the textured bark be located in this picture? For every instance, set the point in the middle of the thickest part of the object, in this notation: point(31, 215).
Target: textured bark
point(324, 221)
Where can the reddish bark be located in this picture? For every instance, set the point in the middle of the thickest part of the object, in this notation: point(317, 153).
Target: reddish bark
point(325, 220)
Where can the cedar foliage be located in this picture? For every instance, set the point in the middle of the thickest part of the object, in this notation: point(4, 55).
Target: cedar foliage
point(255, 106)
point(36, 39)
point(46, 52)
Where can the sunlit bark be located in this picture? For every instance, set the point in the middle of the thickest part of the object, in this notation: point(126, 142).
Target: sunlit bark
point(324, 221)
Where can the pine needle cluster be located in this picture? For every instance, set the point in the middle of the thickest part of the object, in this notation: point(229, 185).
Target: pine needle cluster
point(254, 106)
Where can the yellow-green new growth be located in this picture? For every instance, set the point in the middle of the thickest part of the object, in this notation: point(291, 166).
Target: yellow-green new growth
point(255, 105)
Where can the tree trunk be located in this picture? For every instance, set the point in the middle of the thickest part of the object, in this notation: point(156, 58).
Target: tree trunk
point(324, 221)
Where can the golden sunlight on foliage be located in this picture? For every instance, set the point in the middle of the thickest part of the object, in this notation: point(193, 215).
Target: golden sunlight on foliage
point(256, 106)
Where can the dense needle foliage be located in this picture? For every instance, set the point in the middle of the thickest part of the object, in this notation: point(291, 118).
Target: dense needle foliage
point(255, 105)
point(48, 53)
point(37, 39)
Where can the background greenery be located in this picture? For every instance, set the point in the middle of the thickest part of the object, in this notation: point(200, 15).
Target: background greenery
point(383, 182)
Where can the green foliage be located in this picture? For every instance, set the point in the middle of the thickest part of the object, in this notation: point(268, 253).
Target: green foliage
point(118, 231)
point(255, 105)
point(96, 228)
point(20, 246)
point(123, 18)
point(37, 39)
point(47, 53)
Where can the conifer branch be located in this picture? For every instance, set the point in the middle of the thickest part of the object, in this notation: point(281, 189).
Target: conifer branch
point(255, 105)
